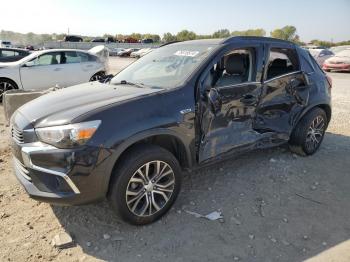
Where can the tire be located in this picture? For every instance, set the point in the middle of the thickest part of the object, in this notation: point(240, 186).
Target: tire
point(5, 85)
point(129, 194)
point(308, 134)
point(97, 77)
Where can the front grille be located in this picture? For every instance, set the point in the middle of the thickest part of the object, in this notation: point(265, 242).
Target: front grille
point(21, 169)
point(17, 135)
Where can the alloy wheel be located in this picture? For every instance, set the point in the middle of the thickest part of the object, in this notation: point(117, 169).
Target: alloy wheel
point(150, 188)
point(5, 86)
point(315, 133)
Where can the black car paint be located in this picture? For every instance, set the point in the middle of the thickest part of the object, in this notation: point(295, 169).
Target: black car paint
point(183, 113)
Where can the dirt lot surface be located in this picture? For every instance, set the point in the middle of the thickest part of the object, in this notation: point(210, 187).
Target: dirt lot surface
point(276, 207)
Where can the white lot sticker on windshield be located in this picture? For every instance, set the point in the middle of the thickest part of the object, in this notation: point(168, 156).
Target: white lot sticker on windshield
point(186, 53)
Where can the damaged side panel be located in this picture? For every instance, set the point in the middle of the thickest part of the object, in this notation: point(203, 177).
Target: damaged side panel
point(259, 114)
point(281, 103)
point(231, 127)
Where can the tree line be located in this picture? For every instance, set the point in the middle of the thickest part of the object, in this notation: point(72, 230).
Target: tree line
point(286, 33)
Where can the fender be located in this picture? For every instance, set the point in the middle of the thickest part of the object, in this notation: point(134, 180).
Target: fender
point(122, 147)
point(307, 109)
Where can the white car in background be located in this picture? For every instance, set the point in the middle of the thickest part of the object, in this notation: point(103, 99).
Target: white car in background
point(4, 43)
point(53, 68)
point(141, 52)
point(337, 49)
point(115, 51)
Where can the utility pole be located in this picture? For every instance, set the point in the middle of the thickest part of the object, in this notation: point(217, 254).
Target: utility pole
point(68, 30)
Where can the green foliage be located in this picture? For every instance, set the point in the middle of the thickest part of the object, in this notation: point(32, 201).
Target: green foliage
point(138, 36)
point(286, 33)
point(168, 37)
point(27, 39)
point(222, 33)
point(322, 43)
point(250, 32)
point(185, 35)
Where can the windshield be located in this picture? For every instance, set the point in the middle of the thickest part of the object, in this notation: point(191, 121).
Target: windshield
point(345, 52)
point(165, 67)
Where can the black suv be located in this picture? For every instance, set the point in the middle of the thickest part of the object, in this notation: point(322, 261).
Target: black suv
point(180, 107)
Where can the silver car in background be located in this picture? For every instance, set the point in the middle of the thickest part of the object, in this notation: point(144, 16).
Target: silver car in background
point(321, 55)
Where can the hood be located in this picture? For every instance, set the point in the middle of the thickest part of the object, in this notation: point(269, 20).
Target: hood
point(9, 64)
point(62, 106)
point(338, 60)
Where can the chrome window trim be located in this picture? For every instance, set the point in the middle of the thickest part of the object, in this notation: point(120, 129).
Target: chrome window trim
point(238, 85)
point(281, 76)
point(26, 150)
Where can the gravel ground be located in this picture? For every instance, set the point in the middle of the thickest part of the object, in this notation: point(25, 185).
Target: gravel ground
point(276, 207)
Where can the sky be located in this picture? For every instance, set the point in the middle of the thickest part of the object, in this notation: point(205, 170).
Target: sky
point(314, 19)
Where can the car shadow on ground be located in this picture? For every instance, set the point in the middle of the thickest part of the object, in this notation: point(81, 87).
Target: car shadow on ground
point(276, 206)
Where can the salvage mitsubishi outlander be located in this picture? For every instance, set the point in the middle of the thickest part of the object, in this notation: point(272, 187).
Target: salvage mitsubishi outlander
point(180, 107)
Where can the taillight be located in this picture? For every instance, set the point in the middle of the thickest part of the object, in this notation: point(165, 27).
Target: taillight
point(330, 81)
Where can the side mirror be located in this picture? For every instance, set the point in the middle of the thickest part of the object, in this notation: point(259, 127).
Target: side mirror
point(214, 100)
point(29, 64)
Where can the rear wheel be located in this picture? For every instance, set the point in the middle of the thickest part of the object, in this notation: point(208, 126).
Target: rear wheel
point(309, 132)
point(145, 184)
point(5, 85)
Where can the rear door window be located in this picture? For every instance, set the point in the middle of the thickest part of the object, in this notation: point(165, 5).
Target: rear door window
point(53, 58)
point(70, 57)
point(5, 53)
point(281, 61)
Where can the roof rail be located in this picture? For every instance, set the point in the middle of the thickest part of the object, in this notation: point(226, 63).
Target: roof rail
point(256, 38)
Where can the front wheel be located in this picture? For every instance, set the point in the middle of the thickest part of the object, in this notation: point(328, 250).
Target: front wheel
point(309, 132)
point(145, 184)
point(5, 85)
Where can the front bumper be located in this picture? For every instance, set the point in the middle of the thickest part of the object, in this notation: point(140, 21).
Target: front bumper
point(62, 176)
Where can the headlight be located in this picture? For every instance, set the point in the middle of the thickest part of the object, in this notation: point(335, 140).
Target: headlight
point(68, 136)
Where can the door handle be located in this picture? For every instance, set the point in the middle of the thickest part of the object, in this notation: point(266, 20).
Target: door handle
point(248, 99)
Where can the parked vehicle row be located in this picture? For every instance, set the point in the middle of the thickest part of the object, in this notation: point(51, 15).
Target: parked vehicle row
point(141, 52)
point(183, 106)
point(334, 59)
point(132, 52)
point(339, 62)
point(321, 55)
point(49, 68)
point(73, 38)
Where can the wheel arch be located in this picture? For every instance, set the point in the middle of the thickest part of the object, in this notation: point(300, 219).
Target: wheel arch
point(164, 138)
point(326, 107)
point(9, 79)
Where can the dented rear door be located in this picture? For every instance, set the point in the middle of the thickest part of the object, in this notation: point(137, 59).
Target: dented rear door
point(283, 97)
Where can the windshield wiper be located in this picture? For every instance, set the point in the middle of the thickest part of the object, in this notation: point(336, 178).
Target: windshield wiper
point(124, 82)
